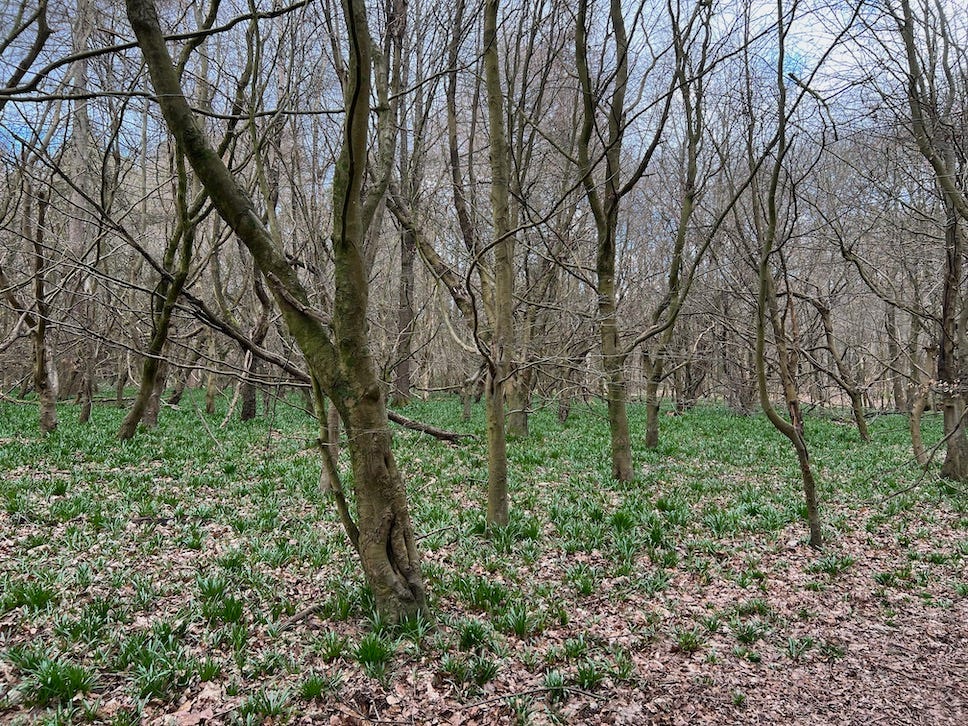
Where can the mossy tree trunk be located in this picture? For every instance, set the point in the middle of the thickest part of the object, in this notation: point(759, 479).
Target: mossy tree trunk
point(340, 362)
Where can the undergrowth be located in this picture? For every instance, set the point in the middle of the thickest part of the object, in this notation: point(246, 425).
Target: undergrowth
point(134, 572)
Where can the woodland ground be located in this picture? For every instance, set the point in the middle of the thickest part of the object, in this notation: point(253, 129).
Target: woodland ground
point(155, 580)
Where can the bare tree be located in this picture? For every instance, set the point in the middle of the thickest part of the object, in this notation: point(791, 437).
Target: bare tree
point(339, 361)
point(936, 83)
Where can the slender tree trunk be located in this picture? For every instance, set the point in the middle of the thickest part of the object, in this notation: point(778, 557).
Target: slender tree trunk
point(653, 374)
point(846, 379)
point(87, 387)
point(613, 360)
point(564, 404)
point(793, 429)
point(605, 207)
point(914, 423)
point(766, 222)
point(253, 363)
point(894, 355)
point(499, 358)
point(80, 229)
point(402, 382)
point(122, 380)
point(211, 383)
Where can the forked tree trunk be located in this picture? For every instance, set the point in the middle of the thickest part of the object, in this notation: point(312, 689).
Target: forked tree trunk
point(605, 205)
point(766, 222)
point(793, 429)
point(341, 365)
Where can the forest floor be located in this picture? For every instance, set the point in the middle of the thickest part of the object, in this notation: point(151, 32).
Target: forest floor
point(156, 581)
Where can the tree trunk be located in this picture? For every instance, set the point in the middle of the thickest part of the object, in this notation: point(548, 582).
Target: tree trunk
point(80, 229)
point(87, 386)
point(894, 356)
point(614, 363)
point(605, 207)
point(211, 383)
point(402, 382)
point(249, 407)
point(150, 418)
point(497, 456)
point(253, 363)
point(914, 423)
point(122, 380)
point(149, 372)
point(45, 372)
point(950, 353)
point(564, 405)
point(653, 374)
point(857, 407)
point(185, 372)
point(766, 222)
point(342, 366)
point(793, 429)
point(499, 356)
point(938, 141)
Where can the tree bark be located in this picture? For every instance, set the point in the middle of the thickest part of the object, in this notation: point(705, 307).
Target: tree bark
point(519, 401)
